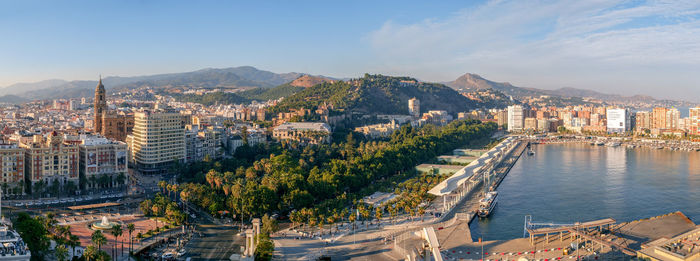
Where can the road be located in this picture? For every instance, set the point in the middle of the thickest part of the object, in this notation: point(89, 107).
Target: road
point(218, 242)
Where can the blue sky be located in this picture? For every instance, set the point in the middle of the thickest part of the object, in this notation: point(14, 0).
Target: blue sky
point(625, 47)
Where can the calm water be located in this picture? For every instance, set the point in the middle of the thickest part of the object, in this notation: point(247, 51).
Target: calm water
point(565, 183)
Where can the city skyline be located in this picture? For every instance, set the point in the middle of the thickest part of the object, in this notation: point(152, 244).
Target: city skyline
point(626, 48)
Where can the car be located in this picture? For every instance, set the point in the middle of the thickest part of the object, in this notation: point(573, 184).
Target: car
point(55, 201)
point(167, 255)
point(29, 203)
point(63, 201)
point(18, 204)
point(181, 253)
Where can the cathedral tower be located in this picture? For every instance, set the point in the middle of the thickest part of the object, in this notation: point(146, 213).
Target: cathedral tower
point(100, 106)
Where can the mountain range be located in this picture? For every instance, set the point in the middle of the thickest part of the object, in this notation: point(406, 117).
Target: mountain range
point(236, 77)
point(470, 82)
point(265, 84)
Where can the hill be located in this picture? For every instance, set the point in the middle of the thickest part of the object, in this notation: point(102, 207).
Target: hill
point(236, 77)
point(378, 94)
point(13, 99)
point(262, 94)
point(472, 82)
point(308, 81)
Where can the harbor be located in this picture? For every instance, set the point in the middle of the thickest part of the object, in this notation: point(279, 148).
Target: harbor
point(607, 231)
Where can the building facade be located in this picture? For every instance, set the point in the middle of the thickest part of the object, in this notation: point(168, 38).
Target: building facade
point(103, 162)
point(158, 140)
point(12, 162)
point(48, 160)
point(100, 106)
point(414, 107)
point(618, 120)
point(304, 132)
point(516, 118)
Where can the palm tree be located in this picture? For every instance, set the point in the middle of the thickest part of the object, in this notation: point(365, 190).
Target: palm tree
point(73, 242)
point(116, 232)
point(98, 239)
point(93, 181)
point(90, 252)
point(130, 227)
point(61, 252)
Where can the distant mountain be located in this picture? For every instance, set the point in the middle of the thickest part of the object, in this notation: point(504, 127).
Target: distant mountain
point(471, 82)
point(378, 94)
point(236, 77)
point(308, 81)
point(24, 87)
point(12, 99)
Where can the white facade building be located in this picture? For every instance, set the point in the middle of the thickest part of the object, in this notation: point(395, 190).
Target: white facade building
point(516, 118)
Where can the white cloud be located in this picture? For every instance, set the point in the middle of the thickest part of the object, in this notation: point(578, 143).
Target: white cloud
point(585, 44)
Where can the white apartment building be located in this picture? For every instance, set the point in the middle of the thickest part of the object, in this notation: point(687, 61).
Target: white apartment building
point(516, 118)
point(157, 141)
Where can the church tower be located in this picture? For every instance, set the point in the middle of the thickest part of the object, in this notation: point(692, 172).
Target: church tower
point(100, 106)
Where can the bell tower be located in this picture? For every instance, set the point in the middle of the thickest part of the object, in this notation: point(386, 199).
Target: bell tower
point(100, 106)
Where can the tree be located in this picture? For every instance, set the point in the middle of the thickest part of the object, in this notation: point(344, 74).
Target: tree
point(98, 239)
point(61, 252)
point(269, 225)
point(130, 227)
point(73, 242)
point(90, 253)
point(116, 232)
point(33, 232)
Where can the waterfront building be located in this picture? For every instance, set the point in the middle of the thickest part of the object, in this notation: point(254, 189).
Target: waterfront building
point(543, 125)
point(158, 140)
point(414, 107)
point(304, 132)
point(618, 120)
point(694, 125)
point(502, 117)
point(530, 124)
point(12, 163)
point(103, 162)
point(516, 119)
point(659, 118)
point(673, 117)
point(50, 160)
point(643, 121)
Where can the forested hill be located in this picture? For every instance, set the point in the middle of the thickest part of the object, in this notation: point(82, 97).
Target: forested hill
point(378, 94)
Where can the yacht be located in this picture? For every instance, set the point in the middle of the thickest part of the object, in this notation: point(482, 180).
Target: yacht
point(487, 204)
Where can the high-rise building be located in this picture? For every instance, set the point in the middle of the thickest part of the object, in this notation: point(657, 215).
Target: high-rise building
point(414, 107)
point(694, 116)
point(502, 117)
point(618, 120)
point(673, 117)
point(50, 160)
point(103, 162)
point(659, 118)
point(158, 140)
point(530, 124)
point(100, 105)
point(516, 118)
point(642, 121)
point(12, 172)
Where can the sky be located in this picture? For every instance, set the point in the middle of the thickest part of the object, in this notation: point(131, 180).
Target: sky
point(619, 47)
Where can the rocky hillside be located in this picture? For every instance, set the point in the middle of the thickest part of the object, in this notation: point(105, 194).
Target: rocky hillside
point(378, 94)
point(308, 81)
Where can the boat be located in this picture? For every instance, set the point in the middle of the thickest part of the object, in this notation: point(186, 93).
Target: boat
point(613, 144)
point(600, 143)
point(487, 204)
point(530, 152)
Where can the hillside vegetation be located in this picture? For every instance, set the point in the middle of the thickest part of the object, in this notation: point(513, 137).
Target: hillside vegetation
point(378, 94)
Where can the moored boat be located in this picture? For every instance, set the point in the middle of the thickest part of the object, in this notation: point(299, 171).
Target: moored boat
point(487, 204)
